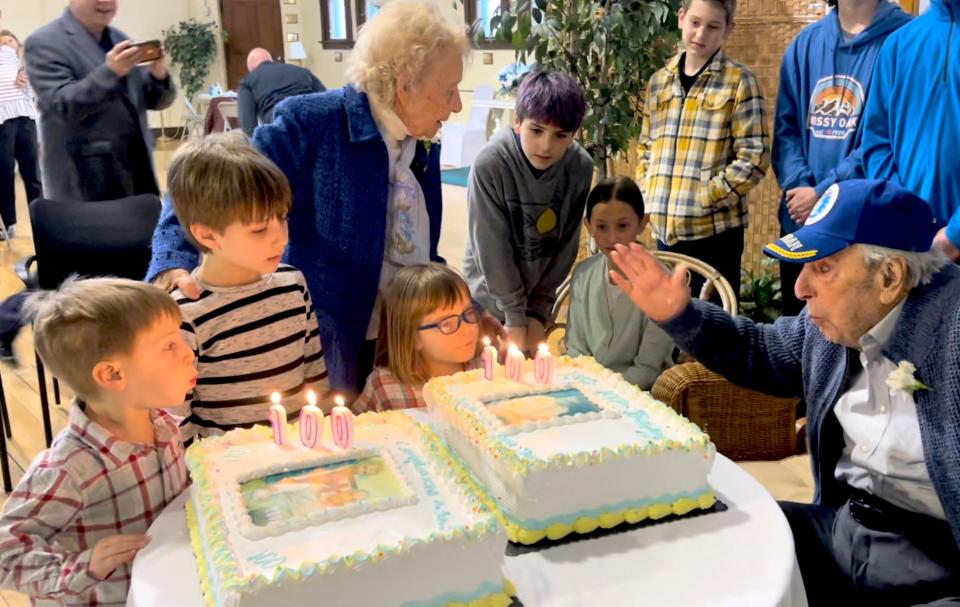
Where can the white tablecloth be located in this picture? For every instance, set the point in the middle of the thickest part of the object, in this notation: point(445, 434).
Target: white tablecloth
point(741, 557)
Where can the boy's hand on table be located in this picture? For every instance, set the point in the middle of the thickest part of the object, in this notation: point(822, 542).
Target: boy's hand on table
point(516, 336)
point(536, 335)
point(114, 551)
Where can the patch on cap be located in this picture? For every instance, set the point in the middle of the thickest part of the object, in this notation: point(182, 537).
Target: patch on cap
point(792, 248)
point(824, 205)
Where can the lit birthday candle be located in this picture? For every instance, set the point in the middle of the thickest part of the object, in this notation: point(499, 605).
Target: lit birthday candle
point(278, 420)
point(341, 424)
point(514, 364)
point(488, 358)
point(543, 366)
point(311, 423)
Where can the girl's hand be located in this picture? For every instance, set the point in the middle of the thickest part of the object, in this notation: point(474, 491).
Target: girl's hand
point(659, 294)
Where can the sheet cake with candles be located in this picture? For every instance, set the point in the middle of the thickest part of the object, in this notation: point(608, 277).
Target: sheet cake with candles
point(562, 445)
point(340, 512)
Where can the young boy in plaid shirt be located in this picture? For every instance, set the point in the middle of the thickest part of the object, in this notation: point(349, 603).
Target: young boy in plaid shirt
point(703, 143)
point(74, 523)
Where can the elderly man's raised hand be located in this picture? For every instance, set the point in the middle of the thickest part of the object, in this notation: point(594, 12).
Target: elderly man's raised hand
point(123, 57)
point(661, 295)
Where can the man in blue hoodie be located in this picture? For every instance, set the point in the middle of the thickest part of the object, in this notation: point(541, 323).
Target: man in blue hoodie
point(912, 123)
point(824, 80)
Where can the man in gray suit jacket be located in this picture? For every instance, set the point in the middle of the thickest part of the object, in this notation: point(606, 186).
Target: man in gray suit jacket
point(95, 143)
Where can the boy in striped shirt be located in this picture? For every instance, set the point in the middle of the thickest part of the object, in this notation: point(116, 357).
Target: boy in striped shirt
point(253, 327)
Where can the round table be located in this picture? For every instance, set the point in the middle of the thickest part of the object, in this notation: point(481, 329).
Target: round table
point(742, 556)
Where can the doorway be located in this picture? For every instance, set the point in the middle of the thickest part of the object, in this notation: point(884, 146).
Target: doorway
point(249, 24)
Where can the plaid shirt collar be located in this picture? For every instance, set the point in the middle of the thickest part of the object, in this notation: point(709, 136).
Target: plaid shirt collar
point(715, 66)
point(116, 451)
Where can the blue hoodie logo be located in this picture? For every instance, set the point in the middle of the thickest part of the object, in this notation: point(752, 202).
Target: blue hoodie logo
point(835, 107)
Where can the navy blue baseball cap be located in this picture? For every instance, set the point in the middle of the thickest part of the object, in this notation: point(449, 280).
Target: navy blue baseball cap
point(859, 211)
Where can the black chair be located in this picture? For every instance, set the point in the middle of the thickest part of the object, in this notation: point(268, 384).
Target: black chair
point(109, 238)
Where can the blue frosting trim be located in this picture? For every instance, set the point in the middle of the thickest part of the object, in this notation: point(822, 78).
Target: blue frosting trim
point(485, 589)
point(570, 519)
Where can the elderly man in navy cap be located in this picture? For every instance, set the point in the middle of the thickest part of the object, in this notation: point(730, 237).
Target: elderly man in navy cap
point(876, 356)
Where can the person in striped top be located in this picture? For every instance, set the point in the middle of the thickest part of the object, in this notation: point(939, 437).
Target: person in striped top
point(77, 518)
point(252, 326)
point(18, 130)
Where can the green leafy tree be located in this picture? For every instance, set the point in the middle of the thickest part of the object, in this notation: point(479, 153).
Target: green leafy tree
point(191, 47)
point(611, 47)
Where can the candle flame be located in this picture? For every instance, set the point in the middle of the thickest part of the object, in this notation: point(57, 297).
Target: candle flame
point(339, 400)
point(543, 349)
point(514, 348)
point(486, 341)
point(275, 398)
point(311, 397)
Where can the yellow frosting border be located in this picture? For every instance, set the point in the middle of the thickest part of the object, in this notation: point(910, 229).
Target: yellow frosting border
point(585, 524)
point(607, 520)
point(195, 543)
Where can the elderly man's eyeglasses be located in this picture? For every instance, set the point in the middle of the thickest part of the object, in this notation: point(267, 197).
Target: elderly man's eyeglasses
point(449, 325)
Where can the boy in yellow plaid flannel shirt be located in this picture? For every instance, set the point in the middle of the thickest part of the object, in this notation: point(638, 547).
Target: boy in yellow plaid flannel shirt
point(703, 143)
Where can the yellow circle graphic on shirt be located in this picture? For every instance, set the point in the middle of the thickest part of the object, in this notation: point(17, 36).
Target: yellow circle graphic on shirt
point(547, 221)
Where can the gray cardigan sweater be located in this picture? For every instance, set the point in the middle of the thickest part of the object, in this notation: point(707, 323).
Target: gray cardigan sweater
point(792, 358)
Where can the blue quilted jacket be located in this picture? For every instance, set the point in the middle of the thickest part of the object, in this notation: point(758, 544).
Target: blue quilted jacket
point(792, 358)
point(330, 149)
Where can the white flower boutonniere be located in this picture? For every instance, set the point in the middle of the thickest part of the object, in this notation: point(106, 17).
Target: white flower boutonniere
point(902, 379)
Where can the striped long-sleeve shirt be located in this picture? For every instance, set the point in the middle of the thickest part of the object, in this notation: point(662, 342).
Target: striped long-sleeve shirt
point(14, 102)
point(250, 341)
point(701, 152)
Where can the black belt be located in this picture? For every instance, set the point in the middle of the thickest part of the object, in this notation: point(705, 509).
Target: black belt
point(880, 515)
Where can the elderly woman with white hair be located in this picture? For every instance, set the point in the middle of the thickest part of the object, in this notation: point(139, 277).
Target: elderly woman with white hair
point(366, 189)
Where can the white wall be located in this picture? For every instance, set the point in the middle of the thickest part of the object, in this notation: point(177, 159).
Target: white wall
point(330, 71)
point(139, 19)
point(924, 5)
point(145, 19)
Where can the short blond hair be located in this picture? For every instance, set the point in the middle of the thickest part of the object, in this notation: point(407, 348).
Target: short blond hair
point(415, 292)
point(399, 41)
point(85, 322)
point(221, 179)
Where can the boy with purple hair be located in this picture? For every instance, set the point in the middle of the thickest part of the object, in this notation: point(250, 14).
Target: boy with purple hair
point(525, 202)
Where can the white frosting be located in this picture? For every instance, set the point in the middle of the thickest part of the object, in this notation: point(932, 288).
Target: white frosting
point(419, 535)
point(642, 454)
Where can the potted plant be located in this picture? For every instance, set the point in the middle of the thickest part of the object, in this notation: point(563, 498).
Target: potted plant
point(760, 293)
point(191, 47)
point(611, 47)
